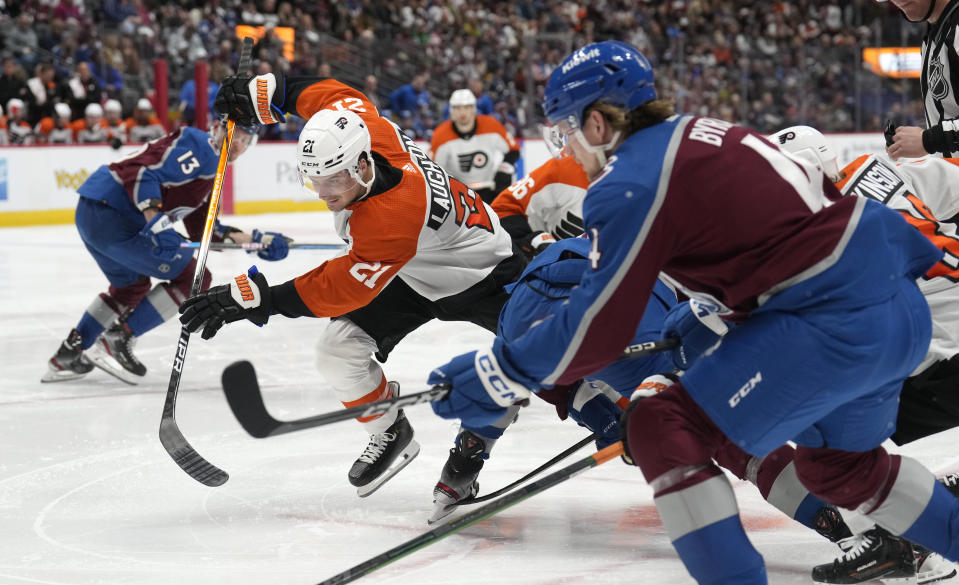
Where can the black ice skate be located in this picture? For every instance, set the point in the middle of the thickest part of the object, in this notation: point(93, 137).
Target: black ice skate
point(113, 353)
point(829, 523)
point(458, 480)
point(69, 363)
point(875, 554)
point(386, 454)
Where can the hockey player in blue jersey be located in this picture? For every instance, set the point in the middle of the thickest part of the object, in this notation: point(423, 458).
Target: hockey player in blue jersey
point(125, 215)
point(829, 320)
point(594, 402)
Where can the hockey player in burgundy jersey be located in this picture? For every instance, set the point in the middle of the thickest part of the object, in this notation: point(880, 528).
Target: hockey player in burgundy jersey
point(821, 289)
point(926, 193)
point(421, 246)
point(125, 216)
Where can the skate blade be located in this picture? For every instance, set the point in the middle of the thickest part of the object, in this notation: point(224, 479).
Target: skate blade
point(946, 571)
point(898, 580)
point(440, 511)
point(408, 454)
point(101, 359)
point(61, 375)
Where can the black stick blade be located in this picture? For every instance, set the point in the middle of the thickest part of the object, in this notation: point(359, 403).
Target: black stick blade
point(245, 400)
point(187, 458)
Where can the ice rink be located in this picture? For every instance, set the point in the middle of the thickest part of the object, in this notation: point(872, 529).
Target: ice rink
point(88, 496)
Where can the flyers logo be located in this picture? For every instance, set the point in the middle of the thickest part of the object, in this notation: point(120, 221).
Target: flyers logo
point(783, 139)
point(341, 123)
point(470, 209)
point(472, 160)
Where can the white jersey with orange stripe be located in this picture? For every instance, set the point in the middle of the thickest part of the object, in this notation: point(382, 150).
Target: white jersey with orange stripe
point(926, 192)
point(473, 158)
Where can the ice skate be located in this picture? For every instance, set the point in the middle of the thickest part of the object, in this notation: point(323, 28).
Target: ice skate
point(385, 455)
point(458, 480)
point(69, 363)
point(874, 555)
point(113, 353)
point(931, 567)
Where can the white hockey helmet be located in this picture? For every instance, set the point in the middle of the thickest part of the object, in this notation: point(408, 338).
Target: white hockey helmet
point(333, 141)
point(93, 110)
point(808, 144)
point(112, 106)
point(62, 110)
point(15, 107)
point(462, 97)
point(144, 104)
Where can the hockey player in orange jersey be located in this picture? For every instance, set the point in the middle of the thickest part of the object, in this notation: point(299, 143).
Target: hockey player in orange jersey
point(475, 149)
point(545, 206)
point(420, 246)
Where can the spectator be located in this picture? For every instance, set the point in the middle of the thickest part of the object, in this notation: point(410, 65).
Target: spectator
point(22, 41)
point(84, 89)
point(12, 84)
point(44, 90)
point(411, 97)
point(187, 106)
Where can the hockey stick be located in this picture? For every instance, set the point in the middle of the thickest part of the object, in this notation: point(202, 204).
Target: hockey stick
point(261, 245)
point(494, 507)
point(170, 435)
point(569, 451)
point(246, 401)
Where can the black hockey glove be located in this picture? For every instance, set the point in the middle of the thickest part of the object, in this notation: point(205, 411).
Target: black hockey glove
point(247, 297)
point(233, 100)
point(889, 132)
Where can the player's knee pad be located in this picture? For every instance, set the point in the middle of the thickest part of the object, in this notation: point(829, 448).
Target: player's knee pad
point(344, 351)
point(844, 478)
point(668, 431)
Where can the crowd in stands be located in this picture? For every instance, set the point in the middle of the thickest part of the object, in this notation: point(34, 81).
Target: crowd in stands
point(762, 64)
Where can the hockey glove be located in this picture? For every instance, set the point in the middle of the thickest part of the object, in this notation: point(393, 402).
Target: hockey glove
point(593, 409)
point(535, 242)
point(248, 100)
point(277, 245)
point(649, 387)
point(480, 391)
point(165, 240)
point(698, 328)
point(247, 297)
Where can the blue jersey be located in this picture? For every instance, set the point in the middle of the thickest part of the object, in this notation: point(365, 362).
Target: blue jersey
point(174, 172)
point(726, 218)
point(545, 285)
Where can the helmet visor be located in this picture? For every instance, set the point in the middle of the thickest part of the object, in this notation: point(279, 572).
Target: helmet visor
point(328, 186)
point(557, 136)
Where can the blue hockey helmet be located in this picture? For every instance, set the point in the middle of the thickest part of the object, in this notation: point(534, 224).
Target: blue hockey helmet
point(611, 71)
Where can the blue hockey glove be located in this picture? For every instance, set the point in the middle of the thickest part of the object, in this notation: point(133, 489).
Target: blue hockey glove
point(596, 411)
point(480, 391)
point(698, 329)
point(247, 297)
point(277, 245)
point(166, 240)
